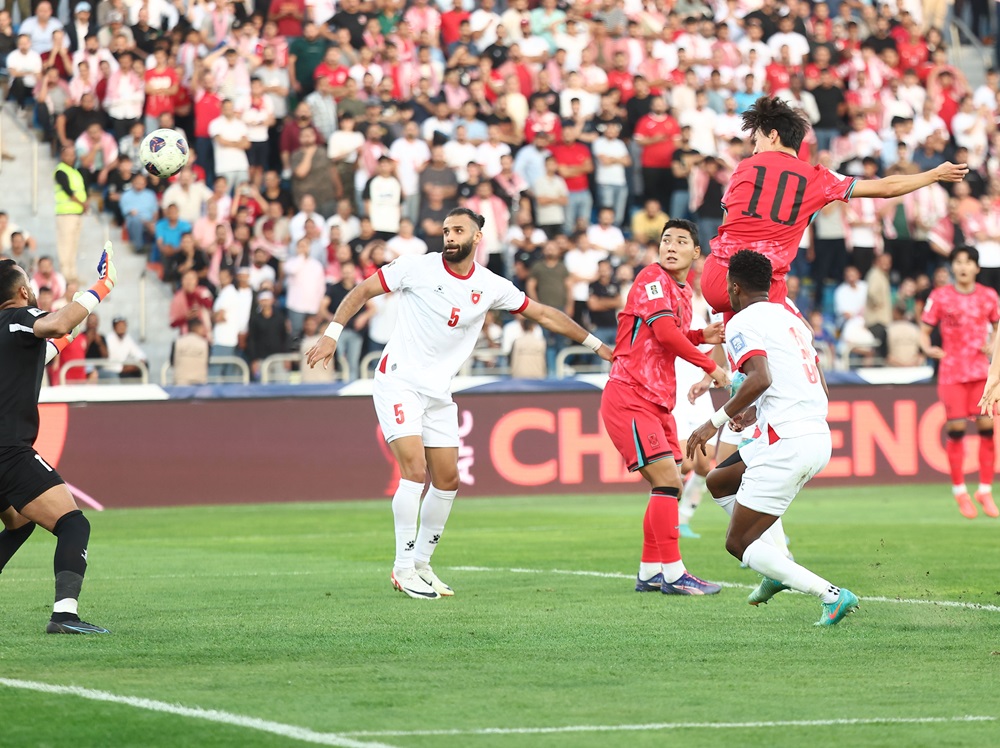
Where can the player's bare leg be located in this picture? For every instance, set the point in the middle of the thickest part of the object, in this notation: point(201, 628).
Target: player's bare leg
point(56, 511)
point(987, 459)
point(17, 529)
point(661, 567)
point(955, 449)
point(695, 472)
point(410, 456)
point(442, 463)
point(745, 540)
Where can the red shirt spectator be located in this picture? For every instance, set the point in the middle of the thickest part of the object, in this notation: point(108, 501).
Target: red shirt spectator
point(572, 154)
point(450, 22)
point(164, 81)
point(288, 14)
point(207, 107)
point(75, 351)
point(777, 77)
point(624, 81)
point(912, 53)
point(542, 122)
point(658, 155)
point(336, 75)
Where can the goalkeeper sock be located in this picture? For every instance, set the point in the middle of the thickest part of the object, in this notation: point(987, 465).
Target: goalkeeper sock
point(690, 498)
point(72, 532)
point(765, 559)
point(433, 516)
point(405, 507)
point(11, 540)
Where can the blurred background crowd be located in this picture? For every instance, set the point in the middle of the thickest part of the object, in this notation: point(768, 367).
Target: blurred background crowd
point(330, 136)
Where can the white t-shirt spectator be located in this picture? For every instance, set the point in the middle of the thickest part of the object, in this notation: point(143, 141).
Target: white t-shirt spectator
point(297, 226)
point(409, 157)
point(228, 159)
point(615, 173)
point(798, 46)
point(458, 156)
point(255, 118)
point(259, 275)
point(121, 350)
point(29, 62)
point(190, 202)
point(400, 247)
point(546, 186)
point(702, 124)
point(305, 279)
point(350, 228)
point(41, 38)
point(583, 263)
point(610, 239)
point(237, 304)
point(344, 145)
point(489, 157)
point(386, 196)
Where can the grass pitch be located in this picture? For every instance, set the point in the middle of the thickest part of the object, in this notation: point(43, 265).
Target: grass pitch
point(285, 613)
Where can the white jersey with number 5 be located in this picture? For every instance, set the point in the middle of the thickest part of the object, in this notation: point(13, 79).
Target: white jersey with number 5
point(440, 316)
point(795, 403)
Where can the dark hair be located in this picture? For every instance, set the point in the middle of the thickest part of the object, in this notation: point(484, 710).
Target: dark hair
point(681, 223)
point(11, 279)
point(971, 252)
point(768, 114)
point(476, 218)
point(751, 270)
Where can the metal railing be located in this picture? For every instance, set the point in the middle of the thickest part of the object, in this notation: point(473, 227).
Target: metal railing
point(368, 364)
point(105, 363)
point(565, 370)
point(497, 364)
point(340, 371)
point(166, 371)
point(961, 37)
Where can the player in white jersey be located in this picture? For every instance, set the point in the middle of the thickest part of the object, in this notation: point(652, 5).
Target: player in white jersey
point(773, 348)
point(443, 303)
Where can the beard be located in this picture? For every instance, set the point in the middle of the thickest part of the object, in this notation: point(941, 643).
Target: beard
point(458, 252)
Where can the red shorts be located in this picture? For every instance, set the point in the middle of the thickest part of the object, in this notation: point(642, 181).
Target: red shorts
point(642, 432)
point(713, 288)
point(961, 400)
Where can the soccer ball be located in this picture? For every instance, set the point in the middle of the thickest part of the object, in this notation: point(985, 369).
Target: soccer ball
point(163, 152)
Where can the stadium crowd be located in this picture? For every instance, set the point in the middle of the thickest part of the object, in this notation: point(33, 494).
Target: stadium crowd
point(330, 137)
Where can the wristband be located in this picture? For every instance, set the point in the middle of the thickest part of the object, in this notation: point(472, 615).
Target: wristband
point(720, 417)
point(592, 342)
point(333, 331)
point(89, 300)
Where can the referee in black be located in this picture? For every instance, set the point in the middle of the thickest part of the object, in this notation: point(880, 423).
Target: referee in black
point(31, 491)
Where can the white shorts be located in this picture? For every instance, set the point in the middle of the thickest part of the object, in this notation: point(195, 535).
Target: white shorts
point(689, 417)
point(402, 412)
point(777, 471)
point(728, 436)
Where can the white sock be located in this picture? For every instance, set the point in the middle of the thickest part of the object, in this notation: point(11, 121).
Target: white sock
point(648, 571)
point(66, 605)
point(690, 498)
point(776, 534)
point(727, 503)
point(433, 516)
point(765, 559)
point(405, 507)
point(673, 571)
point(985, 488)
point(959, 490)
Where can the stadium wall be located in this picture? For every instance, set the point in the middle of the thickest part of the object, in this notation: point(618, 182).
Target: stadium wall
point(201, 451)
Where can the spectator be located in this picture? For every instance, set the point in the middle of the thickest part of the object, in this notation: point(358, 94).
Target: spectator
point(657, 133)
point(190, 355)
point(97, 156)
point(24, 65)
point(123, 352)
point(903, 340)
point(307, 212)
point(432, 215)
point(575, 166)
point(411, 156)
point(258, 116)
point(305, 279)
point(118, 182)
point(19, 252)
point(497, 220)
point(71, 204)
point(231, 315)
point(167, 234)
point(830, 250)
point(353, 337)
point(267, 332)
point(323, 108)
point(313, 174)
point(96, 344)
point(46, 276)
point(125, 96)
point(40, 27)
point(604, 302)
point(647, 224)
point(878, 306)
point(552, 196)
point(190, 196)
point(305, 53)
point(7, 229)
point(162, 85)
point(343, 149)
point(383, 196)
point(605, 235)
point(612, 161)
point(230, 138)
point(189, 257)
point(405, 244)
point(192, 301)
point(262, 272)
point(139, 209)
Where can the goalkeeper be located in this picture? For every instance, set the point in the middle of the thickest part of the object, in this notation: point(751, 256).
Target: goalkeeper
point(31, 491)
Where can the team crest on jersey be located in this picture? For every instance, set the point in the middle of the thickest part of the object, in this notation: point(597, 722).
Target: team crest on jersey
point(654, 290)
point(738, 343)
point(476, 296)
point(654, 441)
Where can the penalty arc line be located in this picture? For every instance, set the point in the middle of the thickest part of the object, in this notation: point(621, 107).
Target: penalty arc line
point(616, 575)
point(653, 726)
point(293, 732)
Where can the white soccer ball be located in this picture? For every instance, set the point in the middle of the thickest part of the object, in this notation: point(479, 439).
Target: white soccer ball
point(163, 152)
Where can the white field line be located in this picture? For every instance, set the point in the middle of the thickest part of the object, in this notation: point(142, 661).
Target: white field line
point(674, 726)
point(292, 732)
point(615, 575)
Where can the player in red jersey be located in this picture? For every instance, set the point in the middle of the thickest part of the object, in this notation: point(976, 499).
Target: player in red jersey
point(653, 329)
point(773, 195)
point(964, 312)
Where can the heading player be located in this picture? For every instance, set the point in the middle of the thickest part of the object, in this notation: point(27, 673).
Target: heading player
point(773, 195)
point(31, 491)
point(653, 329)
point(773, 348)
point(965, 311)
point(444, 300)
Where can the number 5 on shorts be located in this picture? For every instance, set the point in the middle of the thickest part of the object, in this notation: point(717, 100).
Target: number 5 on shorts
point(397, 409)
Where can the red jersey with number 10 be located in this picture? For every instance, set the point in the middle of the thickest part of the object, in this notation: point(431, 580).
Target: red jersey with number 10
point(769, 203)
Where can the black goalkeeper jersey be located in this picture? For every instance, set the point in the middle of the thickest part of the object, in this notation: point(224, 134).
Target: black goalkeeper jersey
point(22, 365)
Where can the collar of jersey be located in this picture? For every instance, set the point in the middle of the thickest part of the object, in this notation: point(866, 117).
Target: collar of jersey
point(452, 273)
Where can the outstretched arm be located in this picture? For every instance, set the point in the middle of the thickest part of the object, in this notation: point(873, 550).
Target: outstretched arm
point(360, 295)
point(556, 321)
point(904, 184)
